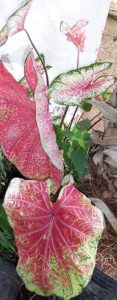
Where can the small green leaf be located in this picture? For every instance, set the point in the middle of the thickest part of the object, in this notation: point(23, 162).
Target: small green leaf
point(66, 146)
point(106, 95)
point(85, 106)
point(79, 160)
point(4, 224)
point(83, 125)
point(59, 135)
point(6, 243)
point(41, 57)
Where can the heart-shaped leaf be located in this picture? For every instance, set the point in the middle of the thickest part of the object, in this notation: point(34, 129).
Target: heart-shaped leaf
point(81, 84)
point(56, 242)
point(15, 22)
point(19, 133)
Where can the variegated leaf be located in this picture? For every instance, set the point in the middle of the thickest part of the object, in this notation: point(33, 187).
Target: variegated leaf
point(19, 133)
point(15, 22)
point(74, 86)
point(56, 242)
point(44, 123)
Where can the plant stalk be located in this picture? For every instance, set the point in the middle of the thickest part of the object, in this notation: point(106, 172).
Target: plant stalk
point(70, 124)
point(95, 117)
point(38, 54)
point(78, 57)
point(66, 109)
point(64, 115)
point(72, 119)
point(95, 124)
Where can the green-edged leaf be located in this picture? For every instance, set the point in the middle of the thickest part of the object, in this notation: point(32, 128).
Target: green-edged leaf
point(15, 22)
point(81, 84)
point(3, 35)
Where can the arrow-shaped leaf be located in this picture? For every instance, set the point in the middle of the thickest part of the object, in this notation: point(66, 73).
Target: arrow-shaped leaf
point(15, 22)
point(81, 84)
point(19, 133)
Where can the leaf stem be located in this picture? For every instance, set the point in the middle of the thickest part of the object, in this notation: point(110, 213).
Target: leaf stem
point(64, 115)
point(66, 109)
point(95, 117)
point(78, 57)
point(32, 297)
point(95, 123)
point(38, 54)
point(70, 123)
point(72, 119)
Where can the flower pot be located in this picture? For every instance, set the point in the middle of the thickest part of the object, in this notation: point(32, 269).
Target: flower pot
point(101, 287)
point(10, 282)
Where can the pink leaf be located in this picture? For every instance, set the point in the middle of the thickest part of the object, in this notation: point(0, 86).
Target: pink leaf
point(43, 118)
point(30, 71)
point(56, 242)
point(15, 22)
point(75, 34)
point(74, 86)
point(99, 98)
point(19, 134)
point(44, 122)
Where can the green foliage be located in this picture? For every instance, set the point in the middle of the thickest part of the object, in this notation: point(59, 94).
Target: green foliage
point(41, 58)
point(7, 244)
point(85, 106)
point(106, 95)
point(74, 144)
point(5, 167)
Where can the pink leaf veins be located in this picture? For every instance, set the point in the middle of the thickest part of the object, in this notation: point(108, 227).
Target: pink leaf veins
point(56, 242)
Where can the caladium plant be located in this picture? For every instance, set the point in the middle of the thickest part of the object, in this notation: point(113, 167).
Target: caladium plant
point(56, 241)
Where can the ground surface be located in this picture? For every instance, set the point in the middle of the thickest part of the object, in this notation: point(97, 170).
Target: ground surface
point(107, 52)
point(107, 251)
point(108, 48)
